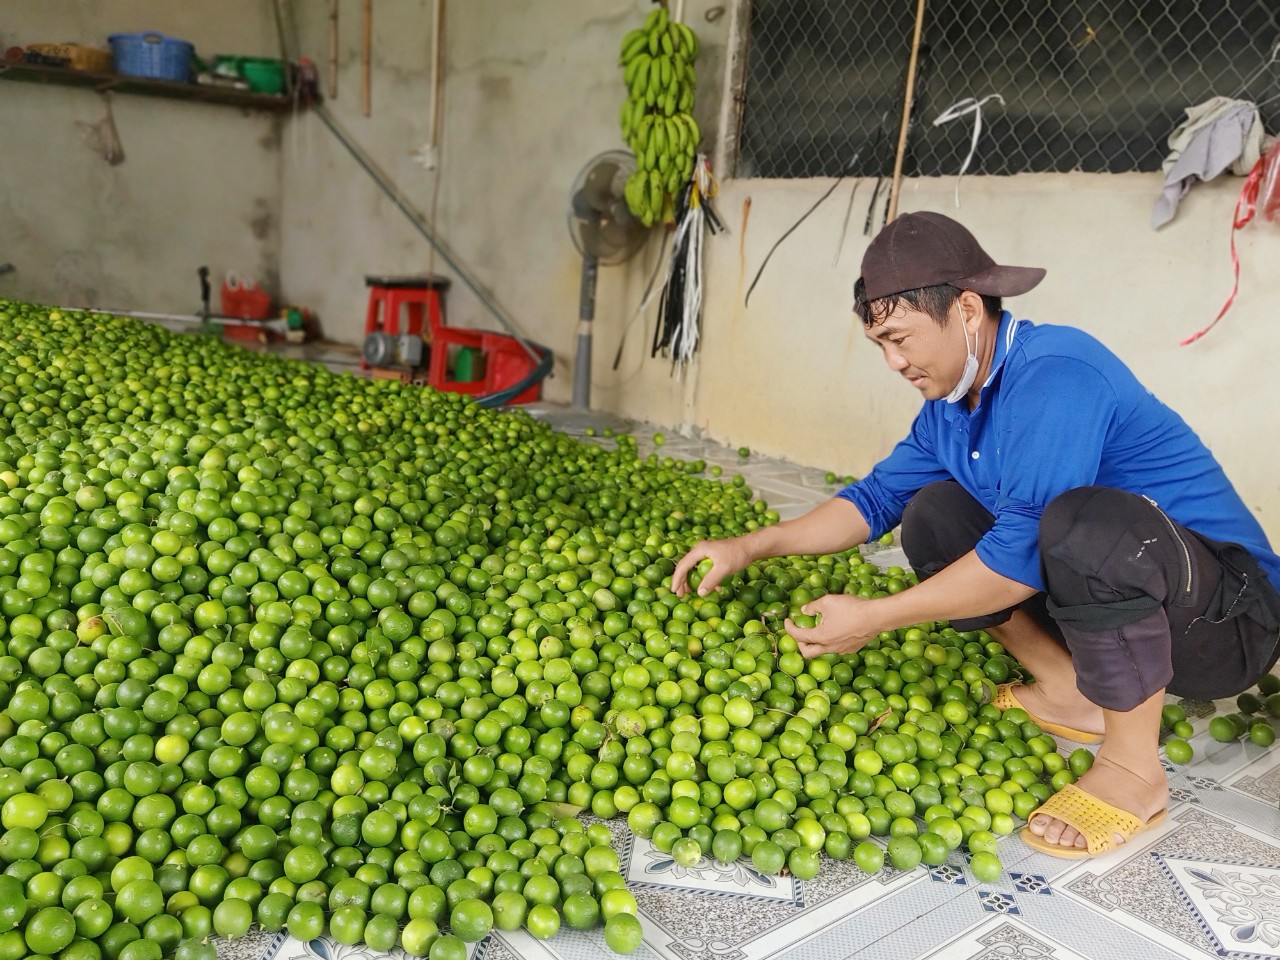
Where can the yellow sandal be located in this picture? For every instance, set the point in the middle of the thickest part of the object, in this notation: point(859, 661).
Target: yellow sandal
point(1096, 820)
point(1006, 699)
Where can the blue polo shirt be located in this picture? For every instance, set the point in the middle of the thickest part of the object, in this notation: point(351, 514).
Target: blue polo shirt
point(1058, 411)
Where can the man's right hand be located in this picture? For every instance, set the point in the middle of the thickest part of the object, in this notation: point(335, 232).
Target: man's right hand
point(727, 558)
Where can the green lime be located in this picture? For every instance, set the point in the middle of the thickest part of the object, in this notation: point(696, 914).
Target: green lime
point(509, 910)
point(232, 918)
point(623, 933)
point(1079, 761)
point(904, 852)
point(983, 841)
point(49, 930)
point(418, 935)
point(803, 863)
point(1248, 703)
point(1224, 729)
point(13, 903)
point(985, 866)
point(868, 856)
point(471, 920)
point(768, 858)
point(193, 949)
point(1178, 750)
point(543, 921)
point(581, 911)
point(448, 947)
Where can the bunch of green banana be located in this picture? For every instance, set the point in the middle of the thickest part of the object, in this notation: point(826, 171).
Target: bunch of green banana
point(656, 119)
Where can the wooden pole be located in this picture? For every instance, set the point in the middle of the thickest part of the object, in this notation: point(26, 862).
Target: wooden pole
point(366, 58)
point(333, 49)
point(908, 101)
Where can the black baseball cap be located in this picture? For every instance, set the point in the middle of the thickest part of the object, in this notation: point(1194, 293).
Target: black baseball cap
point(926, 249)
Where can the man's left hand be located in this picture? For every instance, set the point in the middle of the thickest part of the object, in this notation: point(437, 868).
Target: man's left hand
point(845, 624)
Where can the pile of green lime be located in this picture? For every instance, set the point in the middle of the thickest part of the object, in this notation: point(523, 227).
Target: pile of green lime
point(290, 648)
point(1253, 720)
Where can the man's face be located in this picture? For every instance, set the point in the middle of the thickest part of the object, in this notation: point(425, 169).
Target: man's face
point(929, 357)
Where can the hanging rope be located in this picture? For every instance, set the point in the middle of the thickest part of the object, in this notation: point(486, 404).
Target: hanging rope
point(958, 110)
point(680, 307)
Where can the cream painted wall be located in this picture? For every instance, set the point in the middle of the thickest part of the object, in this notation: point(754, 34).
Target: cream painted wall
point(531, 93)
point(200, 184)
point(791, 376)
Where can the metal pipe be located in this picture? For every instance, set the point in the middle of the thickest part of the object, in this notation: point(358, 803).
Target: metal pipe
point(333, 49)
point(180, 317)
point(366, 58)
point(419, 222)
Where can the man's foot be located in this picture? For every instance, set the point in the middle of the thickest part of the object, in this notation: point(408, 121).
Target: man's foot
point(1070, 710)
point(1142, 792)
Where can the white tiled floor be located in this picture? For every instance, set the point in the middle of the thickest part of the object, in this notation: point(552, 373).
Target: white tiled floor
point(1205, 884)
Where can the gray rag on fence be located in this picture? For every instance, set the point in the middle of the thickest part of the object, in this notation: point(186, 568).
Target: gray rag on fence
point(1218, 135)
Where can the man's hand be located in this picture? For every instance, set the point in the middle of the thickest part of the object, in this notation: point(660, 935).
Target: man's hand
point(727, 558)
point(845, 624)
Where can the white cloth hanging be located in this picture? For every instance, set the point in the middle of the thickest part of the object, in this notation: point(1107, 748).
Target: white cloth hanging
point(1218, 135)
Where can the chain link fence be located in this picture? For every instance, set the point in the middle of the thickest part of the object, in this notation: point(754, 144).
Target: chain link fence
point(1092, 85)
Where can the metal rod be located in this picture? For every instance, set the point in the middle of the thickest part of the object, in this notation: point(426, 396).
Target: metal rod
point(437, 41)
point(586, 312)
point(908, 101)
point(333, 49)
point(366, 58)
point(269, 324)
point(419, 222)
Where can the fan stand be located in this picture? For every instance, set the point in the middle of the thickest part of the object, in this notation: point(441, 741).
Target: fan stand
point(586, 314)
point(604, 231)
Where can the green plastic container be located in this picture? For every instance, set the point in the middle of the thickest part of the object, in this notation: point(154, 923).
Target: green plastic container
point(264, 76)
point(469, 366)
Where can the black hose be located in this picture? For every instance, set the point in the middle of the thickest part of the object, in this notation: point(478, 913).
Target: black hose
point(507, 394)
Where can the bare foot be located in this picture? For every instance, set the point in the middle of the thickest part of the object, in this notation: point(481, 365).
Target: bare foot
point(1143, 792)
point(1071, 710)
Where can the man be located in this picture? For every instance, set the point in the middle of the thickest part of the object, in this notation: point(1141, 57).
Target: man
point(1046, 497)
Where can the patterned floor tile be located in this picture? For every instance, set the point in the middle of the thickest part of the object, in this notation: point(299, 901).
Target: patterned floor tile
point(649, 866)
point(948, 874)
point(1186, 887)
point(995, 902)
point(1003, 936)
point(1260, 778)
point(1236, 905)
point(715, 925)
point(1031, 883)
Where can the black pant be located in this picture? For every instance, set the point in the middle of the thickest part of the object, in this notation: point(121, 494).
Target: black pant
point(1140, 602)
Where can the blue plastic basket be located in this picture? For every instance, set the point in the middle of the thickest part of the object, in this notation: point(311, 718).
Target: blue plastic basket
point(152, 55)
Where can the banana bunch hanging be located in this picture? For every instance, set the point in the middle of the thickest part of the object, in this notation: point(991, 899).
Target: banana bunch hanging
point(657, 61)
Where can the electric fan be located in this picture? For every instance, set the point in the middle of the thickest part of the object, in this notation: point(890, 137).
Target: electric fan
point(605, 232)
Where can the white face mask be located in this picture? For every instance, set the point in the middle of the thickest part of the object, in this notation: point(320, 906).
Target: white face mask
point(969, 373)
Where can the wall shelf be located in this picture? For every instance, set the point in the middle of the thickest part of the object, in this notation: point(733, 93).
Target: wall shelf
point(114, 82)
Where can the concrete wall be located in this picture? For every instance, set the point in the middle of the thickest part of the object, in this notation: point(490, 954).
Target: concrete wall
point(200, 184)
point(792, 376)
point(531, 92)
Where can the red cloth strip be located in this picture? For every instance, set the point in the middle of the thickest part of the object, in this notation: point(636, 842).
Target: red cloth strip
point(1246, 206)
